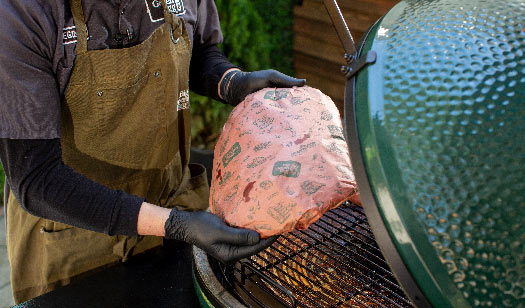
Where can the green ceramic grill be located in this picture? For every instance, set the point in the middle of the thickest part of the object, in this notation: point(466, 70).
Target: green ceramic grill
point(435, 116)
point(434, 119)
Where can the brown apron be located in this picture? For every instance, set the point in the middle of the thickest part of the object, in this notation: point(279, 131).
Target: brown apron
point(126, 125)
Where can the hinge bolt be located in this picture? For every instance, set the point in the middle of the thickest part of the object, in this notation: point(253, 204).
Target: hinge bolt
point(349, 58)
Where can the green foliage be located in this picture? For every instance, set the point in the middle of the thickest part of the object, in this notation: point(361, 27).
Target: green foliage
point(208, 117)
point(246, 39)
point(2, 178)
point(278, 20)
point(257, 35)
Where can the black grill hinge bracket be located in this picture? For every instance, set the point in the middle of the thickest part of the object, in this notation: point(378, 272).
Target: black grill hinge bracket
point(354, 67)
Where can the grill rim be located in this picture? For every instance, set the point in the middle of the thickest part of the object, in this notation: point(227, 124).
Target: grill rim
point(205, 281)
point(382, 236)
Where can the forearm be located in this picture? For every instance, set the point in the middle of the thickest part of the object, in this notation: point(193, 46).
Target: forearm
point(47, 188)
point(152, 219)
point(207, 67)
point(221, 82)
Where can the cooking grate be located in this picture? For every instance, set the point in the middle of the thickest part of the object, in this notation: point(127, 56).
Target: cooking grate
point(334, 263)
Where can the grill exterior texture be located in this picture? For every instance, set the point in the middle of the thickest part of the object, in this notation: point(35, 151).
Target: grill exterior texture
point(441, 118)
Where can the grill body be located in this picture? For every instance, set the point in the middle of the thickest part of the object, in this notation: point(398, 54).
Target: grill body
point(436, 139)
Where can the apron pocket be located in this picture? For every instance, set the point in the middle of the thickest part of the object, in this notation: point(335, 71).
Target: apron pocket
point(198, 179)
point(56, 235)
point(52, 230)
point(131, 124)
point(124, 123)
point(72, 251)
point(196, 191)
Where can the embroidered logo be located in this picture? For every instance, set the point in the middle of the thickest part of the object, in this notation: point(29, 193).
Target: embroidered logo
point(70, 35)
point(184, 100)
point(154, 8)
point(176, 7)
point(155, 11)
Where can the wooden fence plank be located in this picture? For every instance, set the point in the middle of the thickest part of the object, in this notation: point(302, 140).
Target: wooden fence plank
point(318, 50)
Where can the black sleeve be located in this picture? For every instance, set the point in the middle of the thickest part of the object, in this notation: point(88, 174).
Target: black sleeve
point(207, 66)
point(47, 188)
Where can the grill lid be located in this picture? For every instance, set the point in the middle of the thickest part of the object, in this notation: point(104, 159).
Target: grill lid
point(436, 138)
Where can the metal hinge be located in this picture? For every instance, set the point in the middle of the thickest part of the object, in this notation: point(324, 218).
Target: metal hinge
point(354, 67)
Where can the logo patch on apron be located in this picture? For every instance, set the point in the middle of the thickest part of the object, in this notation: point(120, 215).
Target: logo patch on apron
point(70, 35)
point(176, 7)
point(184, 100)
point(154, 8)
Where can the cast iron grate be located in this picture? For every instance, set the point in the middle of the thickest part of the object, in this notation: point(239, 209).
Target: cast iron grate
point(334, 263)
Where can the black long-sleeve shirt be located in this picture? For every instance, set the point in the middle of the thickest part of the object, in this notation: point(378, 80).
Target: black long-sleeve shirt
point(47, 188)
point(36, 60)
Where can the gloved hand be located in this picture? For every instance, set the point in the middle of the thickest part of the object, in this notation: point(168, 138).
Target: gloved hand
point(211, 234)
point(237, 84)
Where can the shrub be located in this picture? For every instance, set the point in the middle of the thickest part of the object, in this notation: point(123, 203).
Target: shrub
point(2, 178)
point(257, 35)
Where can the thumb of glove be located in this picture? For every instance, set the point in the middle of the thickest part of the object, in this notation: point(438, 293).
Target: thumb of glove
point(280, 80)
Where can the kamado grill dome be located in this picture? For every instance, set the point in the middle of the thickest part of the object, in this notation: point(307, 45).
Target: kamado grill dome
point(434, 116)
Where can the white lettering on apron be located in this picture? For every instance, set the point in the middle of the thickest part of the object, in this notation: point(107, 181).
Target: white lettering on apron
point(154, 9)
point(70, 35)
point(184, 100)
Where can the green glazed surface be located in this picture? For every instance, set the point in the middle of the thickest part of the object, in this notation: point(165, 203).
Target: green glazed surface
point(441, 118)
point(203, 299)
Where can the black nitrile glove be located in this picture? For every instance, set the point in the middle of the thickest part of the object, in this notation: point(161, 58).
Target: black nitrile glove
point(211, 234)
point(237, 84)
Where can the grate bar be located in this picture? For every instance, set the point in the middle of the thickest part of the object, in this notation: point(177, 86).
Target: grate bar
point(341, 245)
point(382, 277)
point(313, 273)
point(282, 260)
point(370, 281)
point(250, 294)
point(324, 298)
point(347, 242)
point(302, 249)
point(340, 291)
point(362, 218)
point(323, 220)
point(386, 271)
point(312, 301)
point(334, 263)
point(368, 234)
point(272, 282)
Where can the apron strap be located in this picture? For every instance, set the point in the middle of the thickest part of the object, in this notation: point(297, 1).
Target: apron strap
point(80, 24)
point(167, 15)
point(176, 23)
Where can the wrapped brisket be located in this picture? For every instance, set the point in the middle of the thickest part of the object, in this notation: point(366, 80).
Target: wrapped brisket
point(281, 162)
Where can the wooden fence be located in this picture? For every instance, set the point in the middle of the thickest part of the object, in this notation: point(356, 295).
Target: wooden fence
point(317, 48)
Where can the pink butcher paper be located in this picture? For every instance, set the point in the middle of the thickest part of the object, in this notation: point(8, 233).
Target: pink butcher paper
point(281, 162)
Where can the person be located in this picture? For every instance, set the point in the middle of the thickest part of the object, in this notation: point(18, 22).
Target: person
point(95, 133)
